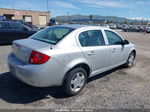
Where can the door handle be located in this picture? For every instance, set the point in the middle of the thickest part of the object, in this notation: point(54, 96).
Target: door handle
point(113, 50)
point(91, 53)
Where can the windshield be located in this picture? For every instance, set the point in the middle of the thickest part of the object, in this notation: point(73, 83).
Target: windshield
point(52, 35)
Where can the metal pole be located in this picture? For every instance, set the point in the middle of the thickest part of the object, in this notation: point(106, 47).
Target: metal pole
point(47, 5)
point(68, 17)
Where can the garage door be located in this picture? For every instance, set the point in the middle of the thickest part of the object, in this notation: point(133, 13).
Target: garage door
point(42, 20)
point(28, 18)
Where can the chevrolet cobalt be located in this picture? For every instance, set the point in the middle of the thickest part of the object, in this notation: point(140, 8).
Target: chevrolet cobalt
point(67, 55)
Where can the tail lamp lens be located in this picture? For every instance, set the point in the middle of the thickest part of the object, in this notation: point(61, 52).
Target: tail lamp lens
point(38, 58)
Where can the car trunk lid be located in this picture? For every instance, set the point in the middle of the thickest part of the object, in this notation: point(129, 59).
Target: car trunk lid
point(22, 49)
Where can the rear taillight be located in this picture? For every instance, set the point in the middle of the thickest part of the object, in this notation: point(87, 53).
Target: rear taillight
point(38, 58)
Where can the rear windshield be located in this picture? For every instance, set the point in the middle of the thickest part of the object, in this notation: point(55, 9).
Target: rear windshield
point(52, 35)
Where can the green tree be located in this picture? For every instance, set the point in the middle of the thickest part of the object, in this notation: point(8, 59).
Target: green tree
point(91, 17)
point(125, 22)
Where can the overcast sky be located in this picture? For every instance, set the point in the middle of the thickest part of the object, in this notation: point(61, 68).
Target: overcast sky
point(121, 8)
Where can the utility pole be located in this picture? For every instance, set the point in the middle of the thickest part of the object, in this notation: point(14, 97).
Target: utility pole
point(68, 17)
point(47, 5)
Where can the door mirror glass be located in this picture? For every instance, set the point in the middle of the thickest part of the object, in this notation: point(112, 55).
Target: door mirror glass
point(125, 42)
point(25, 29)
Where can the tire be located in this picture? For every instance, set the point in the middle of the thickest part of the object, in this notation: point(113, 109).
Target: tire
point(73, 85)
point(130, 60)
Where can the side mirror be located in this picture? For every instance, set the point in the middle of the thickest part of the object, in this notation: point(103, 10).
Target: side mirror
point(25, 29)
point(125, 42)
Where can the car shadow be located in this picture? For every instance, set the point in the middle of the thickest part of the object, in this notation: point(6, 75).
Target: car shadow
point(103, 74)
point(6, 44)
point(14, 91)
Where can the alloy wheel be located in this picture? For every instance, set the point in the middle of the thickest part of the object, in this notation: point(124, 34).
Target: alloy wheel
point(77, 82)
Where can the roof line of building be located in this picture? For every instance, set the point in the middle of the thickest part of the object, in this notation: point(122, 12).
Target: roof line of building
point(25, 10)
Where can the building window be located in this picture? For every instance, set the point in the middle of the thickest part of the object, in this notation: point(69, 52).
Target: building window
point(8, 16)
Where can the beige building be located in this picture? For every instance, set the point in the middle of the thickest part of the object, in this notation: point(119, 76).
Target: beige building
point(34, 17)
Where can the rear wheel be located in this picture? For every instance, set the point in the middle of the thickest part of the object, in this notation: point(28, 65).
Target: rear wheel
point(130, 60)
point(75, 81)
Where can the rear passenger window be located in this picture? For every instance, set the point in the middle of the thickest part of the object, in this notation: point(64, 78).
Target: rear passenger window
point(91, 38)
point(4, 25)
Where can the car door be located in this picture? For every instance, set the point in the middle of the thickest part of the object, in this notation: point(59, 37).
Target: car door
point(92, 43)
point(5, 32)
point(118, 51)
point(19, 30)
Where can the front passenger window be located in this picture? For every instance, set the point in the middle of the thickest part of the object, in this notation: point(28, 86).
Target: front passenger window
point(15, 25)
point(113, 38)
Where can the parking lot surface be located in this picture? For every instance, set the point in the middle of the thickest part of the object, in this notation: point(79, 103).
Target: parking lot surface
point(119, 88)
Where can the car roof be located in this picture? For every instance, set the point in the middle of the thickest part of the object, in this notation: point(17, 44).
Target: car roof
point(76, 26)
point(8, 21)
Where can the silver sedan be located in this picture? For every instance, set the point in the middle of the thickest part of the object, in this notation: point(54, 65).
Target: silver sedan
point(67, 55)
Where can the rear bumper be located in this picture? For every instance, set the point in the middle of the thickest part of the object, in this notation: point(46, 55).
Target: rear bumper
point(43, 75)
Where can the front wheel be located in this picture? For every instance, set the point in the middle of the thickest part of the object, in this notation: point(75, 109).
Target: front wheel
point(75, 81)
point(130, 60)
